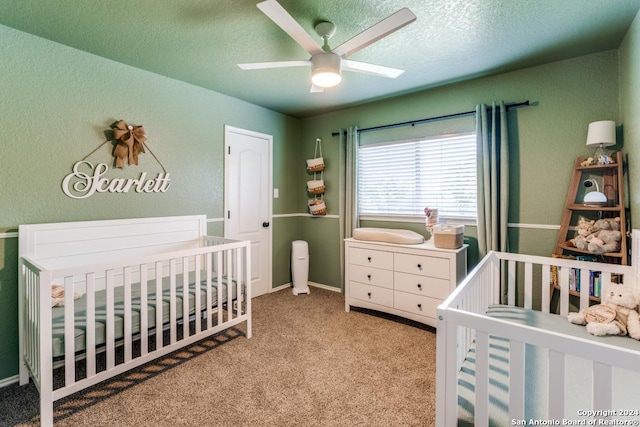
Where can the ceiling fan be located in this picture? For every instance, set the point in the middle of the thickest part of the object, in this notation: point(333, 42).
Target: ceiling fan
point(327, 64)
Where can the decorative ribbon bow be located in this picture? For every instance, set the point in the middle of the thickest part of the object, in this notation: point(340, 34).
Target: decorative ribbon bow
point(130, 142)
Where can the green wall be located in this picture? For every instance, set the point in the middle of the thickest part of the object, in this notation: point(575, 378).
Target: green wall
point(545, 140)
point(56, 104)
point(630, 113)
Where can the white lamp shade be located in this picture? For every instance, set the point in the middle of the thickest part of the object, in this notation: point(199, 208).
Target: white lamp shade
point(602, 133)
point(325, 69)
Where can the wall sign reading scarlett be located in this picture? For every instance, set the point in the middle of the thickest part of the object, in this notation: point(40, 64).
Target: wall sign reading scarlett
point(87, 179)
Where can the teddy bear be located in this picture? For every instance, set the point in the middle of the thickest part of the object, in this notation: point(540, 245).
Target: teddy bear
point(605, 236)
point(583, 229)
point(617, 315)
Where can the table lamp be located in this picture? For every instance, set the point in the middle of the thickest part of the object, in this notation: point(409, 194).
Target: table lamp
point(602, 134)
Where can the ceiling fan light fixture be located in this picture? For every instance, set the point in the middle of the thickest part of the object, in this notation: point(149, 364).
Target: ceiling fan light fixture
point(325, 69)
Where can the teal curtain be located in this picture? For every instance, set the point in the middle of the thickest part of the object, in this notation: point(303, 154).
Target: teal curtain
point(348, 182)
point(493, 177)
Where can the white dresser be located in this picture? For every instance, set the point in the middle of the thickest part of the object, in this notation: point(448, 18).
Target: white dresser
point(405, 280)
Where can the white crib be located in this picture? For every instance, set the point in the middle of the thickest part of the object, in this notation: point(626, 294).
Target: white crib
point(141, 288)
point(507, 365)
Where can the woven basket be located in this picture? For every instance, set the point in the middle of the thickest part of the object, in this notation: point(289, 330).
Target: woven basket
point(315, 165)
point(316, 186)
point(318, 208)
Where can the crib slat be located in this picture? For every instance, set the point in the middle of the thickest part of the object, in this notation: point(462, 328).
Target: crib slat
point(185, 297)
point(69, 336)
point(111, 359)
point(546, 288)
point(127, 314)
point(556, 383)
point(516, 380)
point(494, 277)
point(144, 310)
point(528, 285)
point(602, 386)
point(563, 273)
point(220, 266)
point(209, 264)
point(229, 284)
point(159, 306)
point(197, 292)
point(173, 317)
point(238, 282)
point(511, 282)
point(91, 324)
point(482, 379)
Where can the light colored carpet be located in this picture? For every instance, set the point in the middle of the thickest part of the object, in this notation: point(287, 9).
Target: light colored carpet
point(309, 363)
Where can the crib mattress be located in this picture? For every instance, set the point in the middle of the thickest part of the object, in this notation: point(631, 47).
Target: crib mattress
point(80, 309)
point(578, 372)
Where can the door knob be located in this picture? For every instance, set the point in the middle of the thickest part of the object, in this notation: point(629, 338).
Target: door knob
point(265, 224)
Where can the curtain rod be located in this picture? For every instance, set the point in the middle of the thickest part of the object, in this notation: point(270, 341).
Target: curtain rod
point(432, 119)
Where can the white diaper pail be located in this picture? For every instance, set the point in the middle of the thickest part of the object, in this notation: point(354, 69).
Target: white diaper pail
point(300, 267)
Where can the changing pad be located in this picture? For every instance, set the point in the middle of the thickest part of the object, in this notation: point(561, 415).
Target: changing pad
point(388, 235)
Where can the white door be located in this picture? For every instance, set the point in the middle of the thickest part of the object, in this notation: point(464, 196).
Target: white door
point(248, 188)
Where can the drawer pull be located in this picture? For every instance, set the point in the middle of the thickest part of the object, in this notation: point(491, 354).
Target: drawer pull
point(369, 276)
point(420, 307)
point(369, 258)
point(369, 295)
point(419, 266)
point(419, 286)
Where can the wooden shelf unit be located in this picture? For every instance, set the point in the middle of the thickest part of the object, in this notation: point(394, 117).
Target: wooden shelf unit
point(613, 187)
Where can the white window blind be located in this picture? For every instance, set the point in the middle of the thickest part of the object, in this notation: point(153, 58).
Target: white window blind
point(401, 178)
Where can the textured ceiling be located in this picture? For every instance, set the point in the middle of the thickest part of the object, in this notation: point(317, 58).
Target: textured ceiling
point(201, 41)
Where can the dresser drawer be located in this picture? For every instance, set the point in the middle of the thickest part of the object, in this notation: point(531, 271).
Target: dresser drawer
point(372, 294)
point(416, 304)
point(421, 285)
point(371, 276)
point(377, 259)
point(422, 265)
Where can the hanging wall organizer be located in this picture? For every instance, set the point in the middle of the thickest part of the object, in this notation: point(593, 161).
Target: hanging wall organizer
point(316, 186)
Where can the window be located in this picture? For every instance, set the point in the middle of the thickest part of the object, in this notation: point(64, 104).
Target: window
point(401, 178)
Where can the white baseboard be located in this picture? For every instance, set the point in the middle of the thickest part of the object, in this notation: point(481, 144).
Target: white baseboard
point(326, 287)
point(8, 381)
point(281, 287)
point(317, 285)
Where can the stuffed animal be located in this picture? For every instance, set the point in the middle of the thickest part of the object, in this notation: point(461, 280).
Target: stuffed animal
point(604, 159)
point(617, 315)
point(583, 229)
point(605, 236)
point(57, 295)
point(587, 162)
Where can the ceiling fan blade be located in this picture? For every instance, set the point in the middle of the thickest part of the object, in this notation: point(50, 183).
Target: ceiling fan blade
point(276, 64)
point(376, 70)
point(373, 34)
point(281, 17)
point(316, 89)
